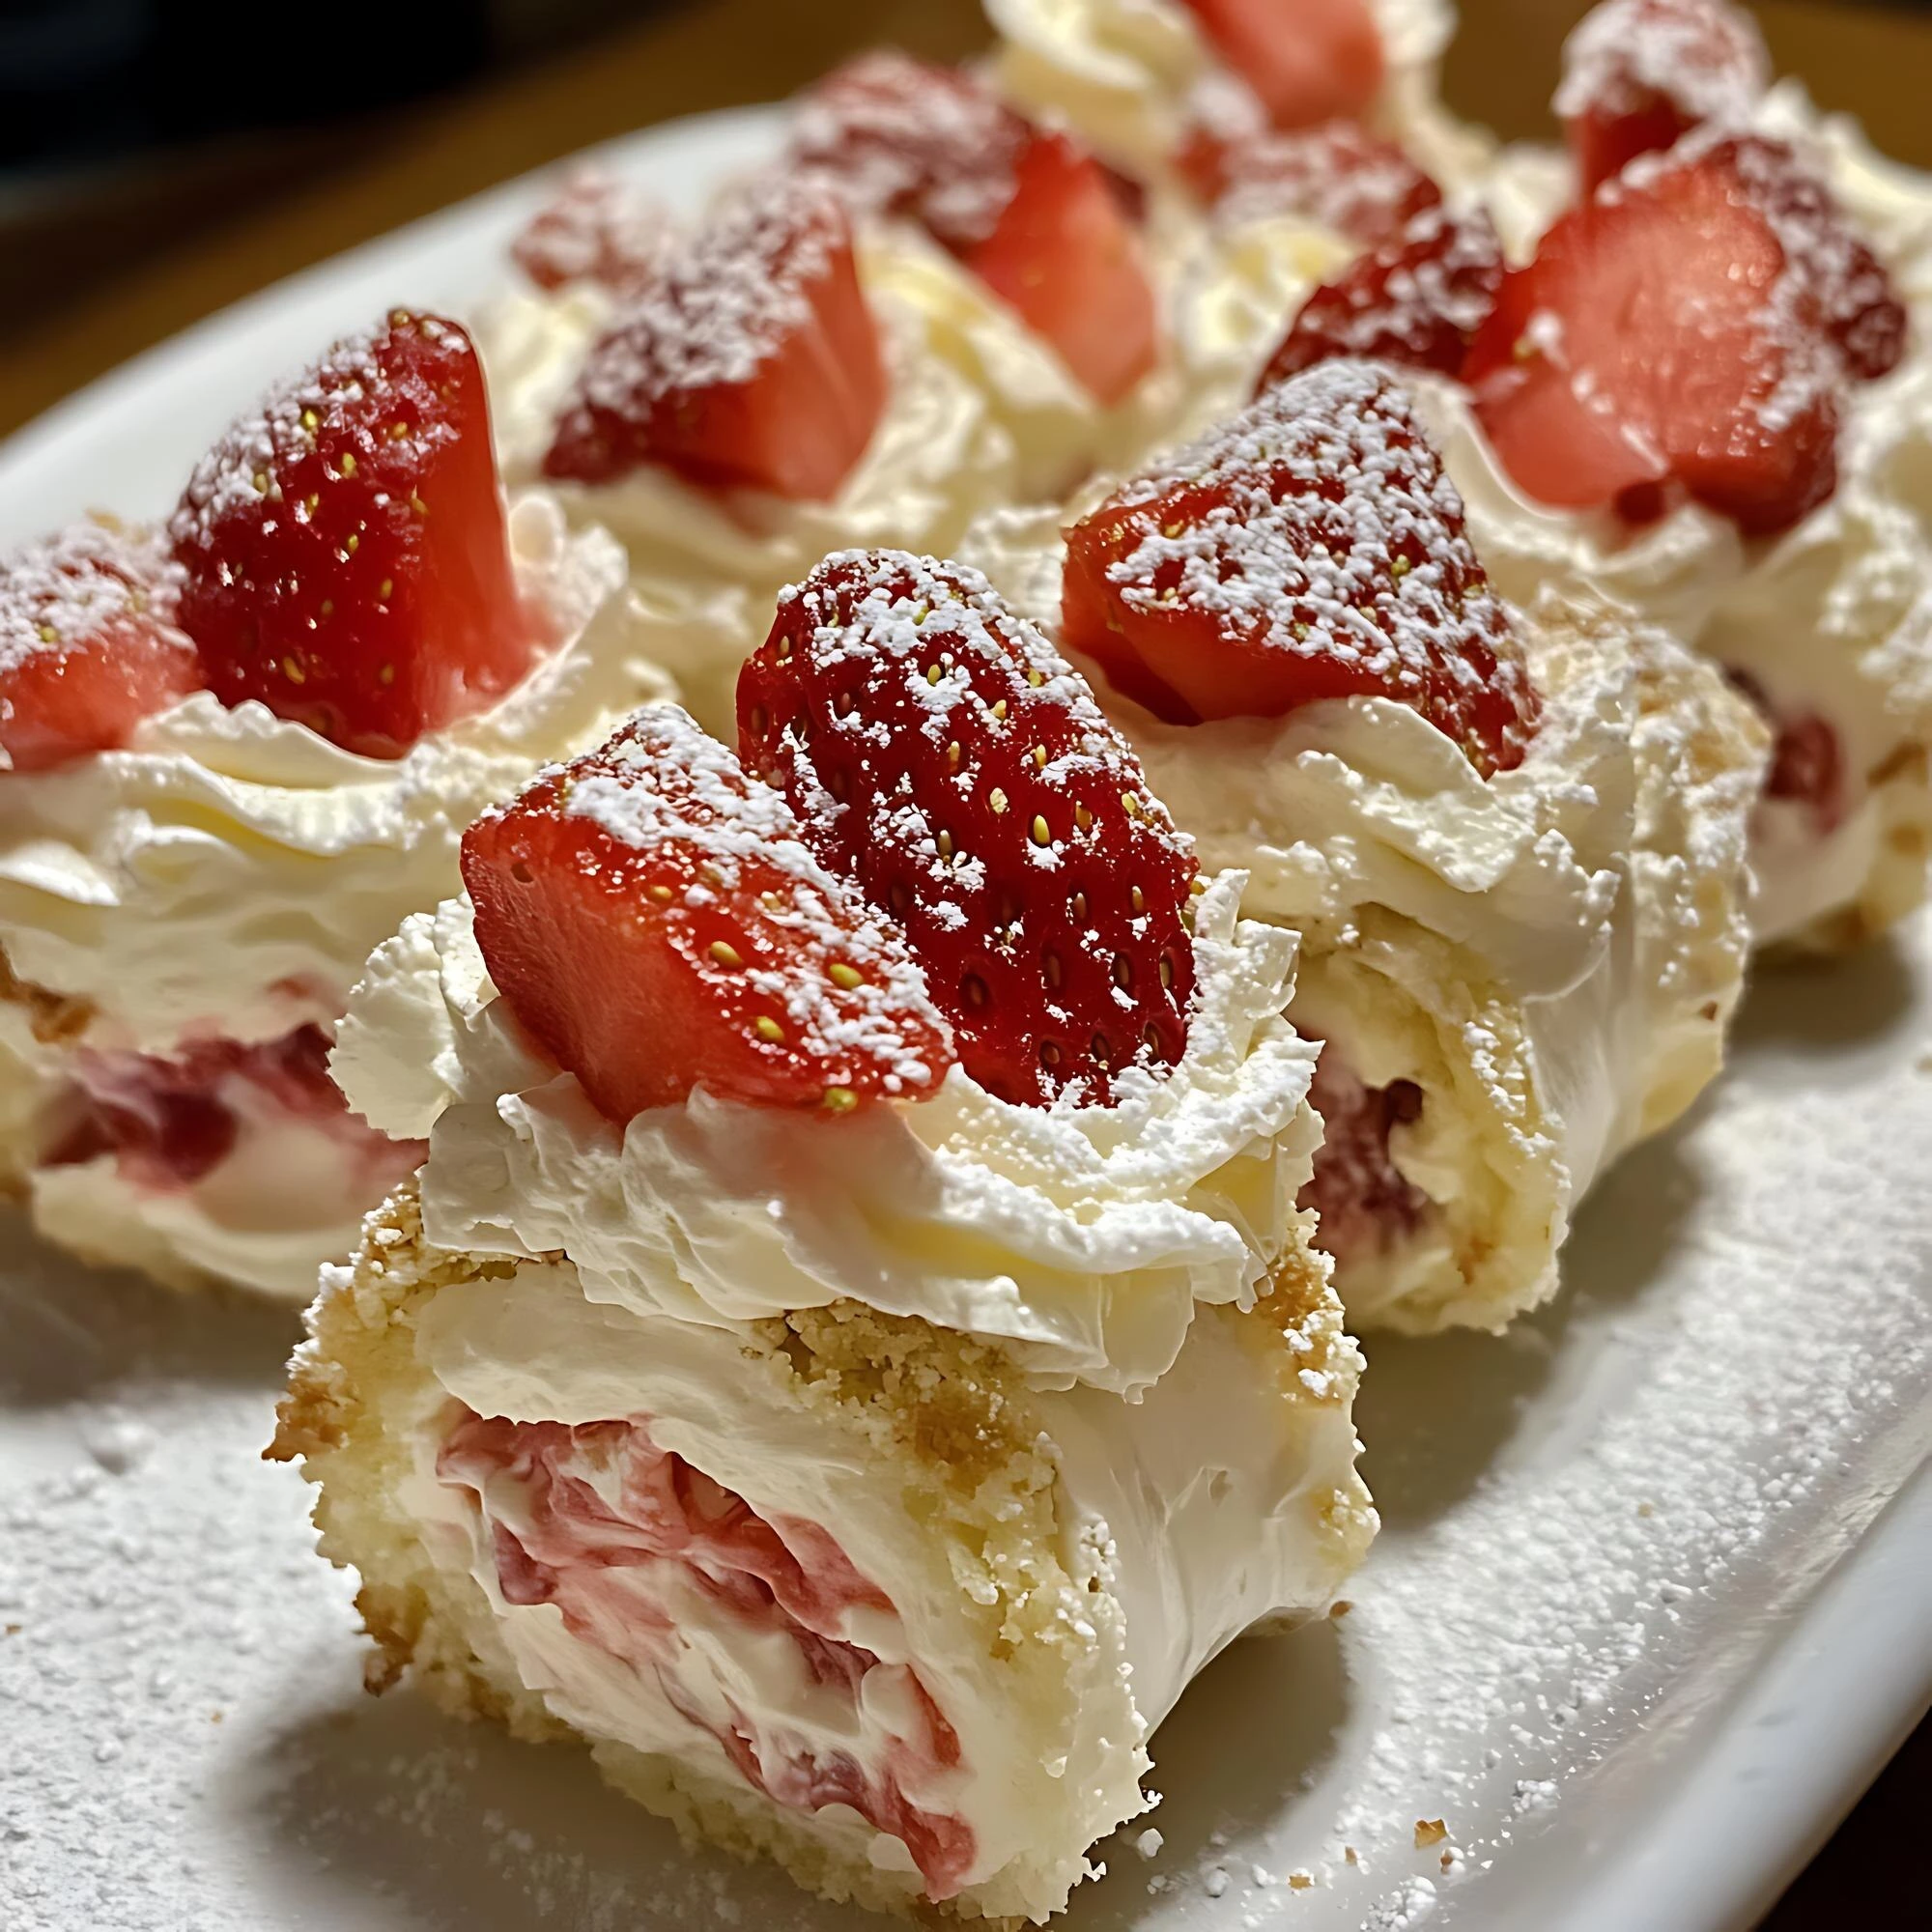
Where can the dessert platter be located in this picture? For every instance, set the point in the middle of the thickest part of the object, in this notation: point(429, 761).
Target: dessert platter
point(1067, 920)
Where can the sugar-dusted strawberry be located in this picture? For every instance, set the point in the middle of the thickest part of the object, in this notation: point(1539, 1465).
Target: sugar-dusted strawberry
point(1640, 74)
point(596, 228)
point(944, 757)
point(654, 919)
point(1307, 60)
point(1856, 303)
point(1311, 548)
point(1065, 254)
point(1417, 300)
point(895, 135)
point(1030, 213)
point(1339, 175)
point(345, 552)
point(1662, 337)
point(88, 644)
point(752, 361)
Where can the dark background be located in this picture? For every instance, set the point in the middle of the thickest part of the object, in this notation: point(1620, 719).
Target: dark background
point(132, 130)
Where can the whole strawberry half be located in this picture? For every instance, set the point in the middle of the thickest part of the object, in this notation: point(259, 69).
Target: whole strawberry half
point(1418, 300)
point(345, 555)
point(1640, 75)
point(88, 644)
point(1028, 210)
point(1307, 60)
point(1662, 335)
point(1311, 548)
point(1337, 174)
point(944, 758)
point(751, 361)
point(655, 921)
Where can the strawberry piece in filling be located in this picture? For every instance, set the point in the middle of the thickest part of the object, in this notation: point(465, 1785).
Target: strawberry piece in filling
point(1307, 60)
point(653, 917)
point(945, 758)
point(1808, 758)
point(1418, 300)
point(1640, 75)
point(1311, 548)
point(88, 644)
point(1027, 209)
point(630, 1542)
point(1663, 334)
point(596, 228)
point(751, 361)
point(1366, 1202)
point(346, 554)
point(171, 1120)
point(1337, 175)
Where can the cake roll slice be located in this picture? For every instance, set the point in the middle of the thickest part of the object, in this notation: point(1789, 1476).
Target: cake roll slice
point(1512, 841)
point(238, 753)
point(853, 1422)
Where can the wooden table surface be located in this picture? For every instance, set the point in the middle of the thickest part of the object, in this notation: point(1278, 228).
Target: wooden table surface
point(723, 53)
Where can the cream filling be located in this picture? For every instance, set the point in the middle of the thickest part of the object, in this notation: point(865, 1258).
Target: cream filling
point(1225, 1497)
point(1080, 1237)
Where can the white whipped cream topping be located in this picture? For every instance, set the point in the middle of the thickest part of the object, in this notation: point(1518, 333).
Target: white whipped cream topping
point(1081, 1237)
point(1225, 1496)
point(1122, 72)
point(228, 872)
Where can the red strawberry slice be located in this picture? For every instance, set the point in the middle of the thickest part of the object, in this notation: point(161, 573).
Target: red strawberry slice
point(654, 919)
point(1065, 254)
point(596, 228)
point(1417, 300)
point(895, 135)
point(1662, 334)
point(88, 646)
point(1337, 174)
point(1035, 217)
point(1311, 548)
point(346, 554)
point(752, 361)
point(945, 758)
point(1856, 303)
point(1307, 60)
point(1640, 74)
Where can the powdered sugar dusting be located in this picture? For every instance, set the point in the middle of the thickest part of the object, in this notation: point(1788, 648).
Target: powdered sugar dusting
point(726, 301)
point(894, 135)
point(597, 228)
point(1337, 175)
point(1705, 57)
point(89, 579)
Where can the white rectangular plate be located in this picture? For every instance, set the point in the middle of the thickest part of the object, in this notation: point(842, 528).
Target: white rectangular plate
point(1654, 1598)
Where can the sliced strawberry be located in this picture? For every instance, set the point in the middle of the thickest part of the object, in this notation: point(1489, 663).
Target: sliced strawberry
point(1307, 60)
point(346, 554)
point(895, 135)
point(1855, 301)
point(1035, 217)
point(654, 921)
point(1640, 74)
point(1365, 1203)
point(1417, 300)
point(1337, 174)
point(1311, 548)
point(1065, 254)
point(88, 645)
point(1660, 334)
point(753, 362)
point(951, 763)
point(596, 228)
